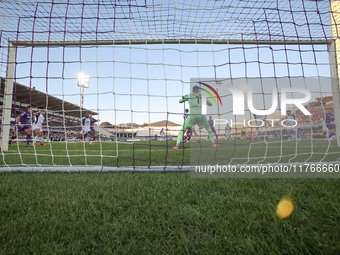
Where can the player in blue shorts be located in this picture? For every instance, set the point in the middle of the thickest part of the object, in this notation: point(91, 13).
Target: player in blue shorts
point(22, 124)
point(92, 127)
point(87, 128)
point(187, 135)
point(330, 124)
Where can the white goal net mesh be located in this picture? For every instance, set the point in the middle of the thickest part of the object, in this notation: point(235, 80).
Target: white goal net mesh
point(136, 64)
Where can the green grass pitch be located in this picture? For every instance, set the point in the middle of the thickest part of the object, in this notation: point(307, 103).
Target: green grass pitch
point(163, 213)
point(156, 153)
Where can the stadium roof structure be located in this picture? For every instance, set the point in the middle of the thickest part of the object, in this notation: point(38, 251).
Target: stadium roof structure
point(38, 99)
point(325, 98)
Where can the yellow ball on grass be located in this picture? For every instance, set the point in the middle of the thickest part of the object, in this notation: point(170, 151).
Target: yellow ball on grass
point(285, 208)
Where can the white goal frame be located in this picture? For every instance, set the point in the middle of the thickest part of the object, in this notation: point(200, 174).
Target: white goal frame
point(333, 52)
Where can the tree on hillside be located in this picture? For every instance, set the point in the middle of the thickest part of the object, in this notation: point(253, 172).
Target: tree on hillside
point(105, 123)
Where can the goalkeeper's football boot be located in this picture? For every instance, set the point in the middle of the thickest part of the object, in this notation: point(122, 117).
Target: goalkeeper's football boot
point(215, 145)
point(42, 144)
point(175, 147)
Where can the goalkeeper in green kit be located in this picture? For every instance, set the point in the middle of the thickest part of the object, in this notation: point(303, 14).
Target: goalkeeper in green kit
point(195, 116)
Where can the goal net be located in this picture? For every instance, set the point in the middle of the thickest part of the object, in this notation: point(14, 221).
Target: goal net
point(104, 85)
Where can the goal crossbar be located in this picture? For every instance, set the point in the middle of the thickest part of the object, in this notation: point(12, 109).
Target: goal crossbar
point(169, 41)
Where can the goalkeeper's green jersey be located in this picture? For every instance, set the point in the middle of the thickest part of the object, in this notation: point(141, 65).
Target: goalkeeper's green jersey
point(195, 103)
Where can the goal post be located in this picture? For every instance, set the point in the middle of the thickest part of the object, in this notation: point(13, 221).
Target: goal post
point(334, 59)
point(334, 67)
point(8, 97)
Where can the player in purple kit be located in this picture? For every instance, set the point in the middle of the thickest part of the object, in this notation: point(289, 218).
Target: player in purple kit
point(22, 124)
point(192, 129)
point(211, 124)
point(329, 120)
point(92, 127)
point(187, 135)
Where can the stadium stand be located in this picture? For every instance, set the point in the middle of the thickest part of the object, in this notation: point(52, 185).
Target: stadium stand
point(59, 110)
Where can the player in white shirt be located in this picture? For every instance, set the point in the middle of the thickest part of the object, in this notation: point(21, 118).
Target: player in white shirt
point(227, 132)
point(86, 128)
point(291, 121)
point(259, 123)
point(186, 114)
point(162, 133)
point(324, 127)
point(37, 127)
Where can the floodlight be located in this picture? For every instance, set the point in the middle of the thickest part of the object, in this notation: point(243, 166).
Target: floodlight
point(83, 80)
